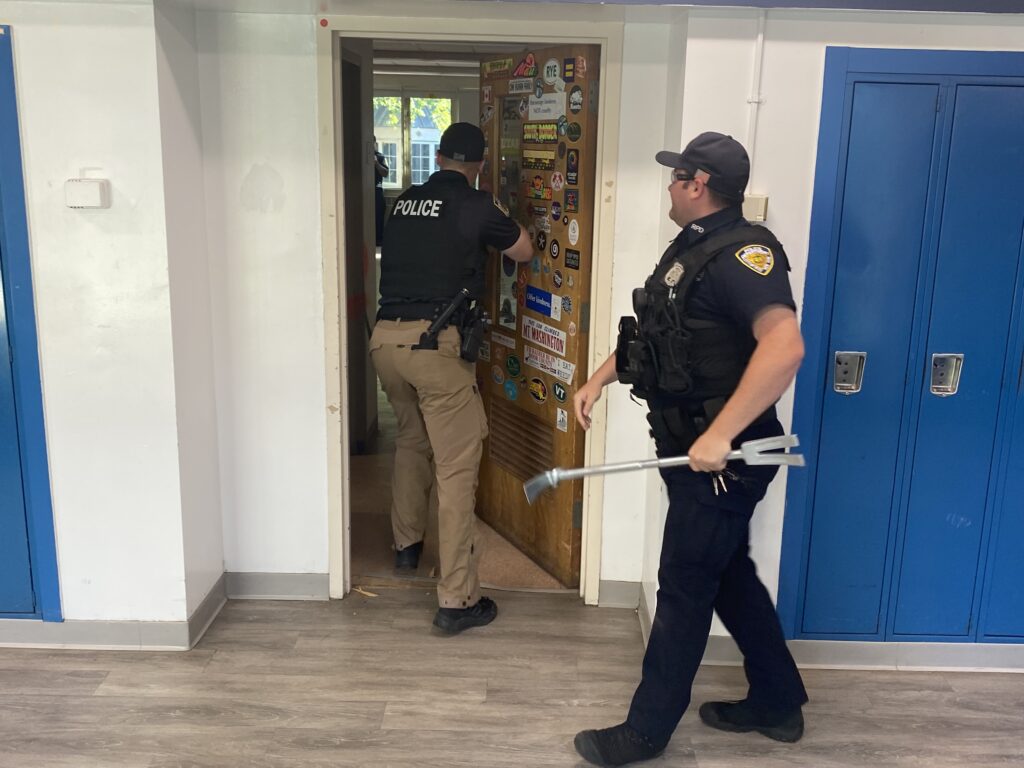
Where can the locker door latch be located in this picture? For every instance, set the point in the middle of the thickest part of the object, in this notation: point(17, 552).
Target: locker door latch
point(946, 374)
point(849, 372)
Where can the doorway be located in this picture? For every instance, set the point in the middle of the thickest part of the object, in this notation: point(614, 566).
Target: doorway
point(330, 31)
point(418, 91)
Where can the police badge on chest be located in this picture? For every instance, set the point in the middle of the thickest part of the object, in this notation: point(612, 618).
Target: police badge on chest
point(674, 274)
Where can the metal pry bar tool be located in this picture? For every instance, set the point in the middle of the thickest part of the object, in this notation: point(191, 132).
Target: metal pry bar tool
point(751, 452)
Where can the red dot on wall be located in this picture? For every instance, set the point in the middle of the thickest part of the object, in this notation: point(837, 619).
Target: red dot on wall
point(323, 22)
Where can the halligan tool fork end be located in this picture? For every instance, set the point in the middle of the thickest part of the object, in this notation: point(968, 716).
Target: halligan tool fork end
point(761, 451)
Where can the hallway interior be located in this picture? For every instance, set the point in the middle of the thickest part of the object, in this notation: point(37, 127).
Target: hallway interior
point(502, 566)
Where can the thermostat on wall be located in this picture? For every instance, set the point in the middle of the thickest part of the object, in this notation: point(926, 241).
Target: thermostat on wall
point(755, 207)
point(87, 193)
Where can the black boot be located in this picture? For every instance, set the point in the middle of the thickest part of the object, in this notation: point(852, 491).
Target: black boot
point(408, 559)
point(451, 621)
point(742, 717)
point(618, 745)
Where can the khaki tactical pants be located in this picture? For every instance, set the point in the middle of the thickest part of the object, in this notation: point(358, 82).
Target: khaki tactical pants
point(441, 426)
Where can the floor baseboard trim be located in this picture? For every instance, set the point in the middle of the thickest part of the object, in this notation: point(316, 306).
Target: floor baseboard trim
point(845, 654)
point(277, 586)
point(208, 610)
point(95, 635)
point(923, 657)
point(116, 635)
point(618, 594)
point(645, 614)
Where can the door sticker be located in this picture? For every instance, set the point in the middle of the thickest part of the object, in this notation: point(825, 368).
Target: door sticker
point(527, 67)
point(538, 390)
point(543, 303)
point(548, 106)
point(575, 99)
point(552, 71)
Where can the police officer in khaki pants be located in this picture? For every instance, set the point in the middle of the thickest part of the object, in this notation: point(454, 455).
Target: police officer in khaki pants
point(435, 245)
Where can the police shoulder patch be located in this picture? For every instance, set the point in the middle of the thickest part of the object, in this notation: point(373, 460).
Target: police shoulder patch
point(758, 258)
point(499, 205)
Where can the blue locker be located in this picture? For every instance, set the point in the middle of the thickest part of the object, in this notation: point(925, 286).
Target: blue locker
point(976, 270)
point(892, 138)
point(16, 593)
point(914, 476)
point(1004, 615)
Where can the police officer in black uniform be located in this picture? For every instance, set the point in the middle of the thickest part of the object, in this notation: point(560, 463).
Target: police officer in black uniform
point(714, 344)
point(433, 265)
point(380, 172)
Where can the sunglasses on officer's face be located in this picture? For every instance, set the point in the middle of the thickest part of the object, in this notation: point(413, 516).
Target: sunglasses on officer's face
point(682, 176)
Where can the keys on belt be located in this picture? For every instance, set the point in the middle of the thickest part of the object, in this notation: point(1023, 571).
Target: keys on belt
point(718, 480)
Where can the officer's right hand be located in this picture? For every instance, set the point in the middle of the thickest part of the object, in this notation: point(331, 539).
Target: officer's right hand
point(583, 401)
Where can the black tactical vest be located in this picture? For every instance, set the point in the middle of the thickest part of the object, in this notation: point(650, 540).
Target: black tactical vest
point(430, 252)
point(665, 354)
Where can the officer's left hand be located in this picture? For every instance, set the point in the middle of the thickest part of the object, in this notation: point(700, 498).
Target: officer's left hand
point(708, 453)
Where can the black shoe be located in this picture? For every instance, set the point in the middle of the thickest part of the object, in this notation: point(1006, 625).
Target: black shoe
point(408, 559)
point(742, 717)
point(618, 745)
point(451, 621)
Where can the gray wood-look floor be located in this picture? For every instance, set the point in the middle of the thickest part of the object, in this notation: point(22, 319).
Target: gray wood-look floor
point(362, 682)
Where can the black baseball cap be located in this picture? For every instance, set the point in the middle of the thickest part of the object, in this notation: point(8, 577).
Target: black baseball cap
point(721, 157)
point(463, 142)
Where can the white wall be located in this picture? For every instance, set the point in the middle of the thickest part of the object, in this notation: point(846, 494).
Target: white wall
point(648, 122)
point(258, 91)
point(715, 98)
point(654, 489)
point(192, 331)
point(86, 79)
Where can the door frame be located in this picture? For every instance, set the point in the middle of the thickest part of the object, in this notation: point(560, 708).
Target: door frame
point(330, 29)
point(840, 63)
point(24, 343)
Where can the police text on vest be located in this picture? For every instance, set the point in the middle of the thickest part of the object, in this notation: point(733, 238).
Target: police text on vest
point(430, 208)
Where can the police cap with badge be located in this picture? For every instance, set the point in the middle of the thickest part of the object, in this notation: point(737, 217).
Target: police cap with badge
point(718, 160)
point(723, 165)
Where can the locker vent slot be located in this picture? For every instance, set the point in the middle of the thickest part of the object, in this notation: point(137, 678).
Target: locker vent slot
point(520, 443)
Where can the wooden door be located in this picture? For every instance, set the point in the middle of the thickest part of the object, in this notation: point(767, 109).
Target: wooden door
point(539, 115)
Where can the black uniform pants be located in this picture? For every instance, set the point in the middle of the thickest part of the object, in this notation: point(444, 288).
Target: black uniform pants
point(705, 568)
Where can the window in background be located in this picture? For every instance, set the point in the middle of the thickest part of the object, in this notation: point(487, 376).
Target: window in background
point(411, 127)
point(423, 161)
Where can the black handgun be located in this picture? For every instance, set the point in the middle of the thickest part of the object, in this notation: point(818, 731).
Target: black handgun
point(428, 339)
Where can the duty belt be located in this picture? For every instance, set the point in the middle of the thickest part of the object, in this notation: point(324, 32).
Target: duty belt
point(675, 426)
point(409, 310)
